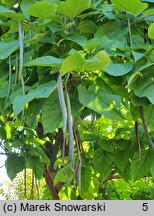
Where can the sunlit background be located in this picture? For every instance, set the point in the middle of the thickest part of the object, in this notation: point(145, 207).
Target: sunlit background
point(3, 174)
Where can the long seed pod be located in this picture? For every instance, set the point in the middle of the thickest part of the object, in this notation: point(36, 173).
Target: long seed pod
point(64, 116)
point(10, 79)
point(146, 129)
point(138, 138)
point(20, 75)
point(62, 103)
point(16, 74)
point(21, 50)
point(70, 130)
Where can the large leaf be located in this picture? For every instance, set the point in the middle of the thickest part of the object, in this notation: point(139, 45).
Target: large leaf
point(119, 69)
point(34, 108)
point(99, 62)
point(7, 48)
point(151, 31)
point(109, 29)
point(146, 90)
point(85, 179)
point(14, 164)
point(45, 61)
point(140, 167)
point(101, 102)
point(121, 159)
point(42, 91)
point(72, 8)
point(132, 6)
point(10, 13)
point(76, 62)
point(51, 114)
point(102, 162)
point(72, 63)
point(42, 9)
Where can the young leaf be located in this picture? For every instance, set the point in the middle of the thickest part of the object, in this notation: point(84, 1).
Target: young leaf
point(99, 62)
point(132, 6)
point(42, 9)
point(72, 8)
point(73, 62)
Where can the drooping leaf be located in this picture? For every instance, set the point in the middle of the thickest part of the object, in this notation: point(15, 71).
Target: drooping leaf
point(151, 31)
point(121, 159)
point(119, 69)
point(145, 90)
point(132, 6)
point(51, 114)
point(106, 160)
point(140, 167)
point(42, 9)
point(14, 164)
point(7, 48)
point(102, 103)
point(42, 91)
point(85, 179)
point(72, 8)
point(45, 61)
point(34, 108)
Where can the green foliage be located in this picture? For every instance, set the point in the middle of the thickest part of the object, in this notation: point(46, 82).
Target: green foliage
point(132, 6)
point(42, 91)
point(41, 9)
point(122, 190)
point(102, 54)
point(72, 8)
point(14, 164)
point(7, 48)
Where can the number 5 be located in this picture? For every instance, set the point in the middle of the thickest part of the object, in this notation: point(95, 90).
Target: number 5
point(145, 207)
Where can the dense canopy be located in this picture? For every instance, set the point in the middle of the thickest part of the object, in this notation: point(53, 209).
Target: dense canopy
point(77, 92)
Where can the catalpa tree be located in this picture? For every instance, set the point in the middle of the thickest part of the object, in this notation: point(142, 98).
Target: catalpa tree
point(77, 92)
